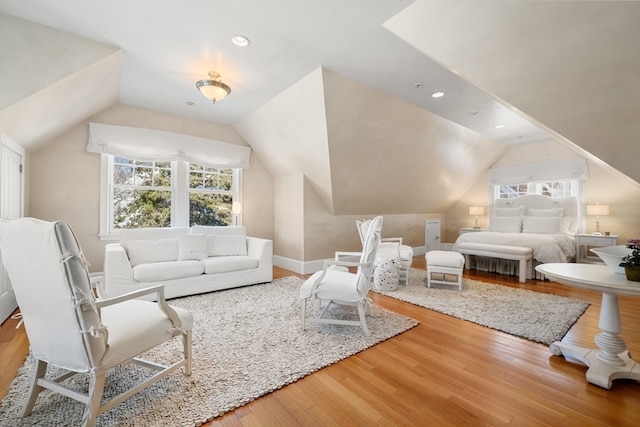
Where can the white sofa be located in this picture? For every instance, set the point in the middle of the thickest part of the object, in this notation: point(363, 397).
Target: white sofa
point(186, 261)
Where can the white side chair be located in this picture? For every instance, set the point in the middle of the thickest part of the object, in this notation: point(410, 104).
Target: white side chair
point(391, 247)
point(68, 328)
point(335, 285)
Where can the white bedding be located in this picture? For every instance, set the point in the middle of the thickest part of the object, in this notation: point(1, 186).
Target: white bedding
point(546, 247)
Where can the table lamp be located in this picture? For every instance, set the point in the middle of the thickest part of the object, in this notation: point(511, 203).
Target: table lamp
point(597, 210)
point(476, 210)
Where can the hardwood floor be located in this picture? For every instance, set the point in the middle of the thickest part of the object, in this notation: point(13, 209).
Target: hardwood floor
point(444, 372)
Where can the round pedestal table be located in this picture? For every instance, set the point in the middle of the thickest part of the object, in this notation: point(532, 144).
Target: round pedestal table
point(611, 360)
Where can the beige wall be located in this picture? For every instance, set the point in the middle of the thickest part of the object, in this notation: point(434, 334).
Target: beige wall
point(64, 180)
point(604, 186)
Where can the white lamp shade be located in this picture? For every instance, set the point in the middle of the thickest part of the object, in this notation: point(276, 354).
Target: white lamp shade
point(476, 210)
point(597, 210)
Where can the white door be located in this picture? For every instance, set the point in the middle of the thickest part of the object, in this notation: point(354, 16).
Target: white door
point(11, 207)
point(432, 234)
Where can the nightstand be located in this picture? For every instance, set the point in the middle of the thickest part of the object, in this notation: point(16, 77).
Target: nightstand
point(470, 230)
point(586, 241)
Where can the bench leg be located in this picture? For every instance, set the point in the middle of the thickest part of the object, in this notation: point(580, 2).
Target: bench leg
point(522, 271)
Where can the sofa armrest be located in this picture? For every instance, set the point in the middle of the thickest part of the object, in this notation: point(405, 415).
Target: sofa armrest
point(261, 249)
point(118, 272)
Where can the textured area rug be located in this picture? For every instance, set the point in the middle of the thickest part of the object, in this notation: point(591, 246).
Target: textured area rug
point(246, 343)
point(537, 316)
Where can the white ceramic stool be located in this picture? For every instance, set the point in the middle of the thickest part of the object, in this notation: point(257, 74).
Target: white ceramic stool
point(445, 263)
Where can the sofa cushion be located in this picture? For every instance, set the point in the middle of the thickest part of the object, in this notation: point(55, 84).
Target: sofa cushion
point(192, 247)
point(167, 270)
point(226, 245)
point(146, 251)
point(213, 265)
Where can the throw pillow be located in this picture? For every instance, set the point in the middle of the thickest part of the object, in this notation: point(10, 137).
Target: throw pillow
point(519, 211)
point(226, 245)
point(508, 224)
point(540, 225)
point(192, 247)
point(154, 250)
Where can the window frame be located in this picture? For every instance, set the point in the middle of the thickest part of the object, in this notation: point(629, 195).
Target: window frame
point(179, 195)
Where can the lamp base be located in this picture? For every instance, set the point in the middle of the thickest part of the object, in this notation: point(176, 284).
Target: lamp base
point(476, 228)
point(596, 233)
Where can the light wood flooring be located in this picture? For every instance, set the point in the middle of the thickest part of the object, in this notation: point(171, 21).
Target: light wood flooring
point(444, 372)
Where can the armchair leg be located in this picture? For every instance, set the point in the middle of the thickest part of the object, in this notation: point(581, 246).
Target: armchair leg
point(186, 342)
point(363, 320)
point(96, 386)
point(303, 305)
point(34, 389)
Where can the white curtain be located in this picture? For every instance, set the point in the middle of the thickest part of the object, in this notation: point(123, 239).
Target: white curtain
point(159, 146)
point(540, 172)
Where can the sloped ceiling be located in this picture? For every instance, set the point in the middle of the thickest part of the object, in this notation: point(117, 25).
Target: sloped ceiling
point(51, 80)
point(573, 67)
point(365, 151)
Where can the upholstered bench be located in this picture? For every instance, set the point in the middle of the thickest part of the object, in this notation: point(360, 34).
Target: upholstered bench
point(444, 264)
point(519, 253)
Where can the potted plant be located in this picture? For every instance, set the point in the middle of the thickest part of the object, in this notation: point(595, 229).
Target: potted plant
point(631, 262)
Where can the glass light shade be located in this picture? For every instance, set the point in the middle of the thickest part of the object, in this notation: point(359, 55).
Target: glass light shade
point(213, 90)
point(236, 208)
point(597, 210)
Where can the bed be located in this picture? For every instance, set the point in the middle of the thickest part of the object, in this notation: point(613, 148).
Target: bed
point(545, 225)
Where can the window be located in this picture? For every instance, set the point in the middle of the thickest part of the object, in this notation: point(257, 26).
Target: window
point(566, 188)
point(164, 194)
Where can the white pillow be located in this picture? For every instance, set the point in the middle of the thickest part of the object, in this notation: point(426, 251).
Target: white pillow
point(226, 245)
point(192, 247)
point(567, 225)
point(507, 224)
point(153, 250)
point(519, 211)
point(541, 225)
point(545, 212)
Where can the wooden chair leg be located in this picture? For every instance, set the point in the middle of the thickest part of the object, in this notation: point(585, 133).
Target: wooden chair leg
point(187, 345)
point(96, 386)
point(34, 389)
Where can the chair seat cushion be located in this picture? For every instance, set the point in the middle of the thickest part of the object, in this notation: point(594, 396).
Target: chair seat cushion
point(445, 259)
point(336, 284)
point(135, 326)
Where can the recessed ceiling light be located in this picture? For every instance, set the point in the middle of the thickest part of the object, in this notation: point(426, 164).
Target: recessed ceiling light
point(240, 40)
point(498, 126)
point(437, 94)
point(417, 85)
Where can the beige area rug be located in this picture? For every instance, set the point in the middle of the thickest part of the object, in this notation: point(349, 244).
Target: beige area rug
point(246, 343)
point(537, 316)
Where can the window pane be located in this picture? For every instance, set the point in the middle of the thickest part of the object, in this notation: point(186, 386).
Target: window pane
point(209, 209)
point(141, 208)
point(122, 174)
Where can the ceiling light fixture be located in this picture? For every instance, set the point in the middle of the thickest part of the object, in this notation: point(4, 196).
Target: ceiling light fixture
point(213, 88)
point(240, 40)
point(437, 94)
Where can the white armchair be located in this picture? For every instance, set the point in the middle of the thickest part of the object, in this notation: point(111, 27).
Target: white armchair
point(68, 328)
point(334, 284)
point(391, 247)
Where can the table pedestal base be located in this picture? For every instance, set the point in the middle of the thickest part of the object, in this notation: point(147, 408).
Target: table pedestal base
point(599, 373)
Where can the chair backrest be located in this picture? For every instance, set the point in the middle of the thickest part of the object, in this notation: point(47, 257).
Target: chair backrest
point(52, 286)
point(370, 243)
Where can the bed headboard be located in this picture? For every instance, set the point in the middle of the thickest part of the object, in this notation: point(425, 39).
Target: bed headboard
point(569, 205)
